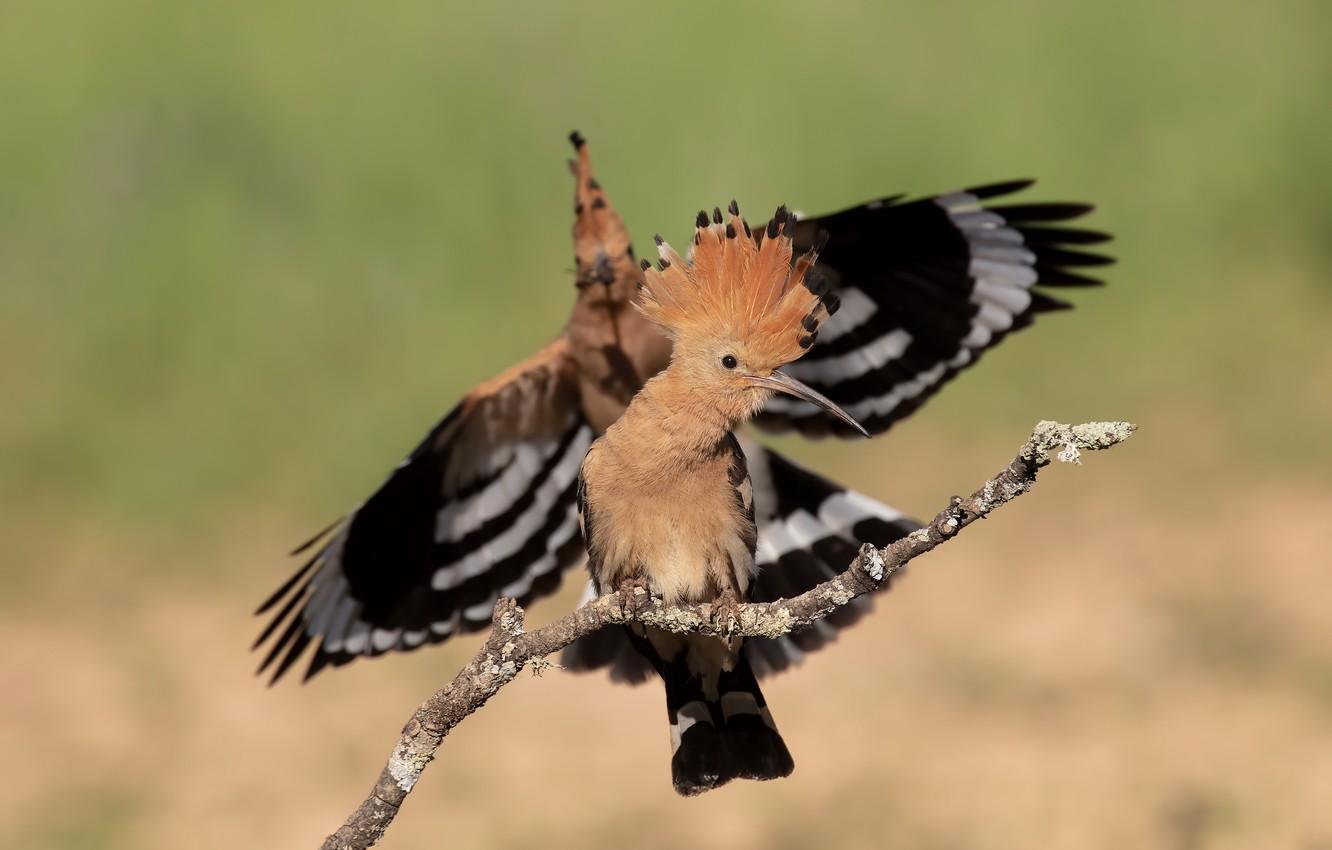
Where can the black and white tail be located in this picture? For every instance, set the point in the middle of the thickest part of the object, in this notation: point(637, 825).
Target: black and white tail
point(721, 728)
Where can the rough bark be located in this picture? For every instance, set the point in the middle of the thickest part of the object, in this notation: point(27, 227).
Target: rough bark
point(509, 648)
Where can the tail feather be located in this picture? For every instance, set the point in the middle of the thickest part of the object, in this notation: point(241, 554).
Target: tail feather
point(720, 729)
point(700, 761)
point(756, 747)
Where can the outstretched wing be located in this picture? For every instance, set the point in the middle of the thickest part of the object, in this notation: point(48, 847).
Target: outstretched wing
point(809, 530)
point(484, 507)
point(926, 286)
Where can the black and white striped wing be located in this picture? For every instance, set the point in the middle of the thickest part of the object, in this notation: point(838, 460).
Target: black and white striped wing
point(484, 507)
point(926, 286)
point(809, 529)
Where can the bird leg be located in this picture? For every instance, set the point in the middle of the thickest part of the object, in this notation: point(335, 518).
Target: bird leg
point(628, 591)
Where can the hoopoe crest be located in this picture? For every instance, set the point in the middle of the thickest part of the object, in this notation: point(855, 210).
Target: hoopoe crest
point(740, 306)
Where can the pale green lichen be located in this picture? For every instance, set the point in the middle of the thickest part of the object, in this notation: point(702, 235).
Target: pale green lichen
point(779, 622)
point(674, 620)
point(1088, 436)
point(410, 758)
point(511, 622)
point(836, 594)
point(1102, 435)
point(873, 564)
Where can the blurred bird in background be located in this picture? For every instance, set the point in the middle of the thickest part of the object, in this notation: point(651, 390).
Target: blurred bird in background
point(665, 498)
point(486, 505)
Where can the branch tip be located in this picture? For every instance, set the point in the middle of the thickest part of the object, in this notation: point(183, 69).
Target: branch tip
point(1072, 440)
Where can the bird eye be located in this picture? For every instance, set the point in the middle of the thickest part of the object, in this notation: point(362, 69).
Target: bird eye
point(729, 361)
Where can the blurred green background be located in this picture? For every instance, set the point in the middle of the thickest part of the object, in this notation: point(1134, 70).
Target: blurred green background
point(250, 251)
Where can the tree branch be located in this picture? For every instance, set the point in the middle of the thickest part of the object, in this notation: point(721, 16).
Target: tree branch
point(509, 648)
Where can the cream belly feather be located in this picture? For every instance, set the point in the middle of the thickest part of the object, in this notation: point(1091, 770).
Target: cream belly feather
point(688, 537)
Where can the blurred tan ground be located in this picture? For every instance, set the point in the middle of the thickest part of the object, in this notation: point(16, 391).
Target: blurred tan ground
point(1099, 665)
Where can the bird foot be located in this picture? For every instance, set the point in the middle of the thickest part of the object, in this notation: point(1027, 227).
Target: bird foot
point(726, 612)
point(628, 592)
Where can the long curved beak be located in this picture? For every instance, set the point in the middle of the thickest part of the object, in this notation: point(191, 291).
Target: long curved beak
point(784, 383)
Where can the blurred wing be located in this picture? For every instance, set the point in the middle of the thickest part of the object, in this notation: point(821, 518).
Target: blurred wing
point(926, 287)
point(809, 530)
point(484, 507)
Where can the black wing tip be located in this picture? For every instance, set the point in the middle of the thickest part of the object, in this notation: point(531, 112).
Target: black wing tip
point(294, 653)
point(288, 637)
point(318, 662)
point(286, 587)
point(577, 140)
point(1036, 235)
point(1049, 211)
point(1054, 256)
point(1042, 303)
point(1006, 187)
point(1055, 276)
point(323, 532)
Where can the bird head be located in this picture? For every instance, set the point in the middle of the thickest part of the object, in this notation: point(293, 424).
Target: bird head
point(738, 308)
point(607, 273)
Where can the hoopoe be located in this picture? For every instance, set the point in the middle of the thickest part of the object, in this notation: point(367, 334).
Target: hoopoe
point(485, 504)
point(665, 496)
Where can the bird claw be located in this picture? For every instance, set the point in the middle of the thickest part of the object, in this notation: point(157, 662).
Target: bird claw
point(541, 665)
point(627, 591)
point(726, 611)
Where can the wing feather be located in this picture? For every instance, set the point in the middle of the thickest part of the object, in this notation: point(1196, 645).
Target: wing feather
point(927, 286)
point(483, 507)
